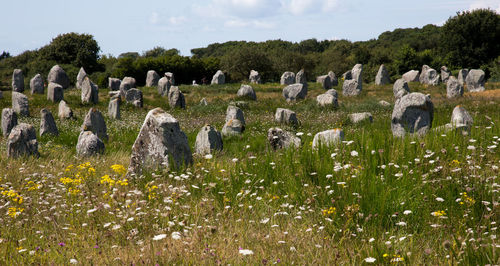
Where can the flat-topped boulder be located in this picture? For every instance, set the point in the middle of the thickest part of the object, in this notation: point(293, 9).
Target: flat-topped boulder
point(94, 121)
point(55, 92)
point(328, 99)
point(328, 138)
point(285, 116)
point(160, 144)
point(325, 81)
point(22, 141)
point(152, 78)
point(281, 139)
point(475, 80)
point(412, 114)
point(59, 76)
point(89, 144)
point(47, 123)
point(20, 104)
point(351, 88)
point(454, 88)
point(36, 85)
point(114, 108)
point(287, 78)
point(18, 80)
point(208, 140)
point(247, 91)
point(9, 121)
point(295, 92)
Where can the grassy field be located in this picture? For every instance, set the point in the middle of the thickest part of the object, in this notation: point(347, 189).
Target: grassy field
point(431, 200)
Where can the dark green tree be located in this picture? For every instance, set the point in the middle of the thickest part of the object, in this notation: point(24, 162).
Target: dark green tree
point(160, 51)
point(239, 62)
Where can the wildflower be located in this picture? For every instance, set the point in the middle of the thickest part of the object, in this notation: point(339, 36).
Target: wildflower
point(119, 169)
point(329, 211)
point(13, 212)
point(438, 213)
point(176, 235)
point(62, 244)
point(73, 261)
point(439, 199)
point(245, 252)
point(208, 156)
point(370, 260)
point(354, 153)
point(159, 237)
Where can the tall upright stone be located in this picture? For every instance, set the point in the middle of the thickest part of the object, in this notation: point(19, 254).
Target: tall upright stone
point(382, 77)
point(22, 141)
point(59, 76)
point(55, 92)
point(475, 80)
point(357, 74)
point(412, 114)
point(90, 92)
point(208, 140)
point(64, 111)
point(114, 108)
point(454, 88)
point(18, 80)
point(114, 84)
point(301, 78)
point(423, 72)
point(235, 121)
point(160, 144)
point(255, 77)
point(80, 77)
point(333, 79)
point(36, 85)
point(462, 75)
point(94, 121)
point(47, 123)
point(219, 78)
point(9, 121)
point(353, 86)
point(287, 78)
point(152, 78)
point(325, 81)
point(445, 74)
point(20, 104)
point(176, 98)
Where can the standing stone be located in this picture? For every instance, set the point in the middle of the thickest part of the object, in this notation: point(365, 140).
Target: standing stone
point(152, 78)
point(357, 74)
point(360, 117)
point(400, 88)
point(475, 80)
point(454, 88)
point(286, 116)
point(351, 88)
point(461, 119)
point(255, 77)
point(114, 108)
point(347, 75)
point(281, 139)
point(176, 98)
point(58, 75)
point(287, 78)
point(36, 84)
point(170, 77)
point(47, 123)
point(20, 103)
point(9, 121)
point(301, 78)
point(90, 92)
point(382, 77)
point(462, 75)
point(64, 112)
point(330, 98)
point(429, 77)
point(160, 142)
point(130, 81)
point(423, 72)
point(247, 92)
point(219, 78)
point(208, 139)
point(126, 84)
point(235, 121)
point(55, 92)
point(114, 84)
point(333, 79)
point(328, 138)
point(80, 77)
point(89, 144)
point(22, 141)
point(94, 121)
point(294, 92)
point(325, 82)
point(18, 80)
point(134, 97)
point(445, 74)
point(412, 76)
point(412, 114)
point(163, 86)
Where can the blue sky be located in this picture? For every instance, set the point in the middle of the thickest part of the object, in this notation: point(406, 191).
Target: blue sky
point(136, 26)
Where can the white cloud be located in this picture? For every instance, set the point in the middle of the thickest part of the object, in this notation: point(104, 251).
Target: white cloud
point(493, 4)
point(330, 5)
point(161, 20)
point(299, 7)
point(238, 8)
point(154, 18)
point(258, 24)
point(177, 20)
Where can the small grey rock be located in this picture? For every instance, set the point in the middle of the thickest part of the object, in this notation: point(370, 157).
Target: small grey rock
point(152, 78)
point(300, 77)
point(22, 141)
point(89, 144)
point(286, 116)
point(114, 108)
point(412, 76)
point(445, 74)
point(475, 80)
point(328, 138)
point(294, 92)
point(361, 117)
point(400, 88)
point(176, 98)
point(207, 140)
point(114, 84)
point(333, 79)
point(412, 114)
point(461, 119)
point(203, 102)
point(281, 139)
point(80, 77)
point(351, 88)
point(462, 75)
point(287, 78)
point(384, 103)
point(64, 111)
point(327, 100)
point(325, 82)
point(134, 97)
point(247, 92)
point(382, 77)
point(454, 88)
point(255, 77)
point(90, 92)
point(219, 78)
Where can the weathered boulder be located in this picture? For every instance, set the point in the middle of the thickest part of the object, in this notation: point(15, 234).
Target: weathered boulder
point(152, 78)
point(475, 80)
point(360, 117)
point(90, 92)
point(328, 138)
point(20, 104)
point(58, 75)
point(328, 99)
point(207, 140)
point(18, 80)
point(80, 77)
point(462, 75)
point(160, 142)
point(286, 116)
point(47, 123)
point(9, 121)
point(114, 108)
point(445, 74)
point(412, 76)
point(163, 86)
point(235, 121)
point(294, 92)
point(351, 88)
point(134, 97)
point(461, 119)
point(382, 77)
point(89, 144)
point(55, 92)
point(36, 84)
point(255, 77)
point(357, 74)
point(400, 88)
point(325, 81)
point(114, 84)
point(281, 139)
point(64, 111)
point(454, 88)
point(301, 78)
point(219, 78)
point(333, 79)
point(176, 98)
point(130, 81)
point(412, 114)
point(423, 72)
point(287, 78)
point(22, 141)
point(94, 121)
point(247, 91)
point(429, 77)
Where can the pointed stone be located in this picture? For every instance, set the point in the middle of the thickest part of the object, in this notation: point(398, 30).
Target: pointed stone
point(47, 123)
point(9, 121)
point(36, 85)
point(89, 144)
point(55, 92)
point(64, 112)
point(80, 77)
point(94, 121)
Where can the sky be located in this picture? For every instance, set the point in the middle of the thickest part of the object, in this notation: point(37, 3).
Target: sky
point(136, 26)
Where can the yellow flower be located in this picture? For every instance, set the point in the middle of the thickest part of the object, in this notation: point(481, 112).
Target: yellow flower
point(438, 213)
point(14, 212)
point(119, 169)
